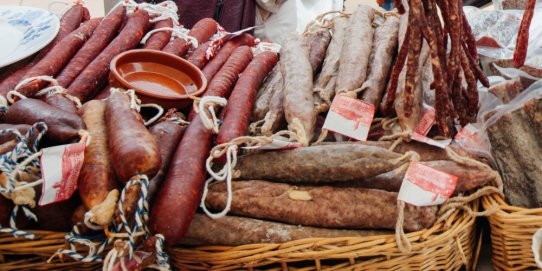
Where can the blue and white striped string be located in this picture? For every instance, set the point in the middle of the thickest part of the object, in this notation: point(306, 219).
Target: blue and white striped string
point(162, 258)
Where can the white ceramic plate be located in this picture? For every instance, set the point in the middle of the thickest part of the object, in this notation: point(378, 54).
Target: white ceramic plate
point(24, 31)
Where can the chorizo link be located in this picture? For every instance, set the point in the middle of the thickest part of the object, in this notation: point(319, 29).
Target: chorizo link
point(237, 111)
point(159, 39)
point(104, 33)
point(203, 30)
point(522, 41)
point(177, 46)
point(199, 56)
point(133, 149)
point(222, 56)
point(86, 83)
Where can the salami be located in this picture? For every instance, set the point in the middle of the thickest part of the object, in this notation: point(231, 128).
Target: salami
point(384, 47)
point(356, 50)
point(274, 119)
point(263, 97)
point(298, 96)
point(178, 47)
point(95, 73)
point(317, 206)
point(104, 33)
point(318, 43)
point(222, 56)
point(237, 111)
point(159, 39)
point(199, 56)
point(61, 102)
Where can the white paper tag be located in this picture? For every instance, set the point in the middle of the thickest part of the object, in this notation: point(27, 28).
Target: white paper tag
point(350, 117)
point(278, 143)
point(472, 139)
point(427, 120)
point(437, 143)
point(60, 168)
point(426, 186)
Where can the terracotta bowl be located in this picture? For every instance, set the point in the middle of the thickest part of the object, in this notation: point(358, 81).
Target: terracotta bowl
point(157, 77)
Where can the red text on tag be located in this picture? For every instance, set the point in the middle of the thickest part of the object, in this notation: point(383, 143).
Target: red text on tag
point(471, 139)
point(437, 143)
point(427, 121)
point(426, 186)
point(350, 117)
point(60, 168)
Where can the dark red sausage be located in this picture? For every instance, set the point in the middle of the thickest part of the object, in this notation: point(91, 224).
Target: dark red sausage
point(169, 135)
point(522, 41)
point(159, 39)
point(62, 126)
point(104, 93)
point(61, 211)
point(104, 33)
point(180, 194)
point(225, 79)
point(204, 29)
point(61, 102)
point(133, 149)
point(86, 83)
point(237, 111)
point(70, 21)
point(23, 128)
point(216, 63)
point(199, 56)
point(178, 47)
point(58, 57)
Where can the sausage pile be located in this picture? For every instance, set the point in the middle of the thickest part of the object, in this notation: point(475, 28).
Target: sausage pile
point(141, 182)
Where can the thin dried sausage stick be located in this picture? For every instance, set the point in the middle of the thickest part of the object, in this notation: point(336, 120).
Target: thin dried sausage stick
point(133, 149)
point(97, 178)
point(159, 39)
point(522, 41)
point(384, 47)
point(104, 33)
point(387, 104)
point(237, 111)
point(86, 83)
point(356, 50)
point(222, 56)
point(416, 43)
point(177, 200)
point(298, 95)
point(224, 81)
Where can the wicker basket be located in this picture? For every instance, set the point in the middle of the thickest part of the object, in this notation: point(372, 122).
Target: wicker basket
point(512, 229)
point(448, 245)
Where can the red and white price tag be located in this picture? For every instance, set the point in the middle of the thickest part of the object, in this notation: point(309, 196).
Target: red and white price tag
point(437, 143)
point(426, 186)
point(278, 143)
point(60, 168)
point(472, 139)
point(427, 120)
point(350, 117)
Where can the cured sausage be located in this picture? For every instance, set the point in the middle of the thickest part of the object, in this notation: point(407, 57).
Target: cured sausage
point(178, 47)
point(168, 134)
point(222, 84)
point(177, 200)
point(159, 39)
point(319, 164)
point(104, 33)
point(61, 102)
point(274, 119)
point(298, 96)
point(96, 179)
point(364, 208)
point(356, 50)
point(86, 83)
point(70, 21)
point(384, 47)
point(61, 211)
point(522, 41)
point(133, 149)
point(199, 56)
point(263, 97)
point(237, 111)
point(203, 30)
point(58, 57)
point(318, 43)
point(62, 126)
point(222, 56)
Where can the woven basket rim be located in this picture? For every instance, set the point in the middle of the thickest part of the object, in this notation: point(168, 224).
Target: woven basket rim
point(508, 210)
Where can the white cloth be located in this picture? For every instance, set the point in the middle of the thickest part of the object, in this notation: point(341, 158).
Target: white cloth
point(279, 18)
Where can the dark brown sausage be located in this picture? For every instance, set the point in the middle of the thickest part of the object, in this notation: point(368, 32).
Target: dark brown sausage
point(61, 102)
point(178, 47)
point(61, 211)
point(237, 111)
point(96, 179)
point(177, 200)
point(159, 39)
point(168, 134)
point(104, 33)
point(225, 79)
point(133, 149)
point(265, 94)
point(204, 29)
point(86, 83)
point(58, 57)
point(216, 63)
point(62, 126)
point(318, 43)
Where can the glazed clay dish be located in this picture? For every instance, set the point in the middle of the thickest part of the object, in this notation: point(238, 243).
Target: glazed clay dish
point(157, 77)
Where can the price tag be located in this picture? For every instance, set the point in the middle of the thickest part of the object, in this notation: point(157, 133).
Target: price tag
point(60, 168)
point(350, 117)
point(426, 186)
point(427, 120)
point(278, 143)
point(437, 143)
point(470, 138)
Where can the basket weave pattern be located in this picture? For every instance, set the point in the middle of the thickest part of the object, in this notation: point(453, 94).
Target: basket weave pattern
point(512, 229)
point(448, 245)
